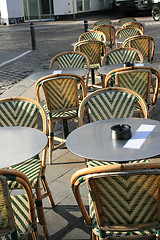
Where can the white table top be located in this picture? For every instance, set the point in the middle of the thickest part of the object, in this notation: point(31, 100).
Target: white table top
point(42, 73)
point(18, 144)
point(94, 141)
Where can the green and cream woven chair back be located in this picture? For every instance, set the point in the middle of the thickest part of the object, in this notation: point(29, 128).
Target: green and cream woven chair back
point(127, 32)
point(18, 216)
point(61, 95)
point(122, 55)
point(134, 24)
point(109, 31)
point(136, 80)
point(102, 22)
point(93, 35)
point(125, 20)
point(7, 221)
point(18, 112)
point(69, 60)
point(145, 44)
point(93, 50)
point(119, 202)
point(123, 200)
point(110, 103)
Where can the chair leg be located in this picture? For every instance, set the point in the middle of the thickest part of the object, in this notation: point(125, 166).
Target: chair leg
point(51, 139)
point(92, 76)
point(40, 212)
point(65, 128)
point(47, 190)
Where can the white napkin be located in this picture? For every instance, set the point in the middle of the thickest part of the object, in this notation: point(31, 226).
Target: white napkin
point(57, 72)
point(139, 137)
point(139, 64)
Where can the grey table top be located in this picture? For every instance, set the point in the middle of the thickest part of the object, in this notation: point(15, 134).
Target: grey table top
point(108, 68)
point(94, 141)
point(42, 73)
point(18, 144)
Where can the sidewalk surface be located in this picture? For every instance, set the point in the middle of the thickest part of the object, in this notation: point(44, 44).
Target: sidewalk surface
point(64, 220)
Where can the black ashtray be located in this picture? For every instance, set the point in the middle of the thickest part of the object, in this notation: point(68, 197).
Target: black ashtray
point(128, 64)
point(121, 132)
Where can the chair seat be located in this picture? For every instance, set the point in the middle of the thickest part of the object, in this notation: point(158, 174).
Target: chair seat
point(22, 218)
point(67, 114)
point(31, 168)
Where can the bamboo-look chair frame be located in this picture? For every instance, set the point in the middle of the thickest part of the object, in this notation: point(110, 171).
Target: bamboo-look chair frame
point(150, 47)
point(134, 24)
point(42, 178)
point(21, 178)
point(89, 36)
point(86, 62)
point(128, 32)
point(153, 71)
point(102, 22)
point(84, 175)
point(139, 55)
point(38, 86)
point(95, 56)
point(83, 110)
point(125, 20)
point(109, 31)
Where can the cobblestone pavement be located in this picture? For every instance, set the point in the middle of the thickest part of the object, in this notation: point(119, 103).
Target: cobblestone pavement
point(51, 39)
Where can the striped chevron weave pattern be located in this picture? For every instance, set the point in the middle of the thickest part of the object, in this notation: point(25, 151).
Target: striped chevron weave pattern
point(102, 22)
point(18, 113)
point(22, 215)
point(121, 56)
point(61, 94)
point(125, 201)
point(93, 52)
point(128, 32)
point(92, 36)
point(143, 45)
point(71, 60)
point(107, 30)
point(111, 105)
point(137, 81)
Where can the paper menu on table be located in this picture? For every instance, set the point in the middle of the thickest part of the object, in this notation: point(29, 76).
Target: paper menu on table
point(57, 71)
point(139, 137)
point(139, 64)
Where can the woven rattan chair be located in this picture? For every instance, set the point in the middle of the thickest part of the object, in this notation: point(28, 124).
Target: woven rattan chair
point(94, 50)
point(109, 31)
point(71, 60)
point(139, 80)
point(127, 32)
point(110, 103)
point(125, 20)
point(123, 200)
point(134, 24)
point(145, 44)
point(93, 35)
point(102, 22)
point(19, 111)
point(61, 103)
point(17, 212)
point(122, 55)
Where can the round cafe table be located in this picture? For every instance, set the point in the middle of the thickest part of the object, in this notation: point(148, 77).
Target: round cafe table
point(94, 141)
point(18, 144)
point(108, 68)
point(42, 73)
